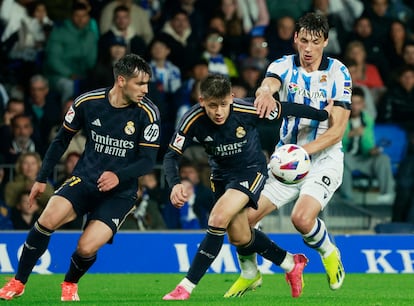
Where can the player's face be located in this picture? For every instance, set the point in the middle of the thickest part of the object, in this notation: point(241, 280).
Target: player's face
point(134, 89)
point(217, 110)
point(310, 48)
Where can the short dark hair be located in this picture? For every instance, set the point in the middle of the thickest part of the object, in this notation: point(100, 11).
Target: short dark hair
point(129, 65)
point(358, 91)
point(314, 23)
point(215, 86)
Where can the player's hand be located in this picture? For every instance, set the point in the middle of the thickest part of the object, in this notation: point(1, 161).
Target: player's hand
point(265, 103)
point(179, 195)
point(107, 181)
point(35, 192)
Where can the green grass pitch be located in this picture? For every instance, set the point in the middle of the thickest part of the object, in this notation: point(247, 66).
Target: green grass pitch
point(148, 289)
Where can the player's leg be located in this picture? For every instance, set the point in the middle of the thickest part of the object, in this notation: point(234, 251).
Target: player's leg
point(273, 192)
point(316, 192)
point(57, 212)
point(96, 235)
point(227, 206)
point(103, 222)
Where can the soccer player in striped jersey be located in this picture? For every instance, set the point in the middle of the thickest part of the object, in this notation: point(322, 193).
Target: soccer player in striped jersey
point(307, 78)
point(122, 130)
point(226, 128)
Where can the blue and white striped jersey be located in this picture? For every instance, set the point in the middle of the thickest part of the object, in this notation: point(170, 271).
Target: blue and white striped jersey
point(331, 81)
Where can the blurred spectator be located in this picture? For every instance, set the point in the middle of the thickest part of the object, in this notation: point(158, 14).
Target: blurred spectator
point(71, 52)
point(348, 11)
point(77, 144)
point(12, 14)
point(365, 73)
point(102, 74)
point(4, 98)
point(5, 221)
point(397, 38)
point(121, 26)
point(44, 107)
point(217, 62)
point(166, 78)
point(362, 154)
point(403, 208)
point(139, 18)
point(337, 33)
point(258, 51)
point(279, 35)
point(147, 215)
point(251, 74)
point(376, 11)
point(255, 15)
point(370, 103)
point(92, 24)
point(408, 53)
point(13, 107)
point(179, 36)
point(32, 36)
point(21, 139)
point(166, 75)
point(293, 8)
point(22, 215)
point(27, 167)
point(374, 48)
point(154, 9)
point(187, 95)
point(194, 11)
point(238, 88)
point(397, 104)
point(69, 164)
point(194, 214)
point(235, 35)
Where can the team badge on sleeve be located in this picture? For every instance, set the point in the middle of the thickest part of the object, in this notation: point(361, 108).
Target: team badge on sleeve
point(151, 132)
point(70, 114)
point(179, 141)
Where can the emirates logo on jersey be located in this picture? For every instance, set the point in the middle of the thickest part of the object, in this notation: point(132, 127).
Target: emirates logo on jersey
point(240, 132)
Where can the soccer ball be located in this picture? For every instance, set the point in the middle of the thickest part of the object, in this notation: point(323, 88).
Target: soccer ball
point(289, 163)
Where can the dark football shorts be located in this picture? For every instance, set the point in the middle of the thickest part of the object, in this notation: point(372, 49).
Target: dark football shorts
point(249, 181)
point(110, 207)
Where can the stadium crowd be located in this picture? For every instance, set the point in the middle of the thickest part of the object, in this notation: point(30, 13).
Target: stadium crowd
point(52, 51)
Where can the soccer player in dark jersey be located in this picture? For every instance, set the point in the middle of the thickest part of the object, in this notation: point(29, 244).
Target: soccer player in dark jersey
point(122, 129)
point(226, 128)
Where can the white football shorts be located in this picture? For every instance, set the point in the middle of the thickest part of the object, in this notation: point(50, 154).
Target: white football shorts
point(323, 179)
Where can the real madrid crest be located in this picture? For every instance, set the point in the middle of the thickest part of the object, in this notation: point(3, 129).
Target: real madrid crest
point(129, 129)
point(240, 132)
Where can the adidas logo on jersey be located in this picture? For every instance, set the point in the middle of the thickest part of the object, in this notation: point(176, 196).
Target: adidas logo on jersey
point(116, 221)
point(208, 138)
point(96, 122)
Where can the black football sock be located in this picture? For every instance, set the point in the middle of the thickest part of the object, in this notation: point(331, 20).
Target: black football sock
point(206, 253)
point(78, 267)
point(35, 245)
point(262, 244)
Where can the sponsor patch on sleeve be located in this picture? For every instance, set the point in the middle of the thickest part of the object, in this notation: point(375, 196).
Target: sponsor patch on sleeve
point(179, 141)
point(70, 114)
point(152, 132)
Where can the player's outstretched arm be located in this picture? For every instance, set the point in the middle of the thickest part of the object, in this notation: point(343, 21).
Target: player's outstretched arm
point(304, 111)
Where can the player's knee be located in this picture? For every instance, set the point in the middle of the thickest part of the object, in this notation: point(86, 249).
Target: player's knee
point(302, 222)
point(218, 220)
point(86, 250)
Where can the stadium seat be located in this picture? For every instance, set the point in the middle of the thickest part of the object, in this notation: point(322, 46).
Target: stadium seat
point(394, 228)
point(393, 140)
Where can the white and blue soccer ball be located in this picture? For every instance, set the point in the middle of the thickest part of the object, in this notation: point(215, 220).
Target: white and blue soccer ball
point(289, 164)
